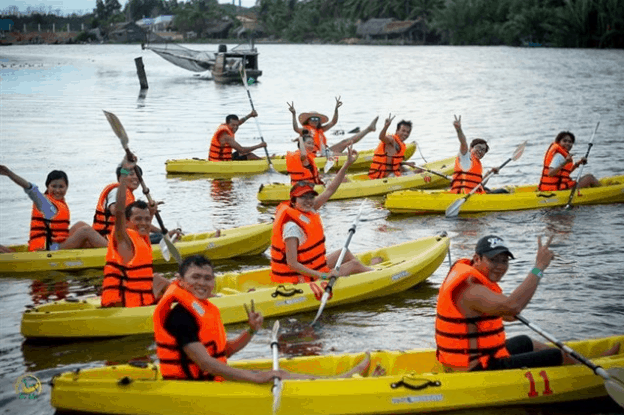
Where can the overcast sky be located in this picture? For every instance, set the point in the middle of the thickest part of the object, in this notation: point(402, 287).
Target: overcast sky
point(78, 6)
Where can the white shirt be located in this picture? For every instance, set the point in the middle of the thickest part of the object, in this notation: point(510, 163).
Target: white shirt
point(111, 197)
point(557, 160)
point(465, 160)
point(292, 230)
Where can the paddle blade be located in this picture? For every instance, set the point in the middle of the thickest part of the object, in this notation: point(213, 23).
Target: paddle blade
point(277, 395)
point(518, 153)
point(615, 385)
point(172, 248)
point(117, 128)
point(453, 210)
point(330, 163)
point(164, 250)
point(322, 306)
point(276, 327)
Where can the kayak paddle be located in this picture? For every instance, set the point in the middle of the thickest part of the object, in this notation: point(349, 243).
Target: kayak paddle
point(119, 130)
point(343, 252)
point(613, 378)
point(453, 210)
point(444, 176)
point(277, 382)
point(589, 146)
point(243, 73)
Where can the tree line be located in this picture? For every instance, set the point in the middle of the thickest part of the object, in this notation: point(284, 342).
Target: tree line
point(560, 23)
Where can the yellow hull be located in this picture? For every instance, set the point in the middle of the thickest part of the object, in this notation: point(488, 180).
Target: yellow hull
point(360, 185)
point(225, 168)
point(133, 390)
point(404, 266)
point(244, 240)
point(518, 198)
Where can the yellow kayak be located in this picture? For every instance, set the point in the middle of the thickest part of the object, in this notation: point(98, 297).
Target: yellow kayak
point(360, 185)
point(241, 241)
point(233, 168)
point(404, 266)
point(413, 383)
point(518, 198)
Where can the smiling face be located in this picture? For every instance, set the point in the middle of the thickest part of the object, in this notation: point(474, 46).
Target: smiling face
point(479, 151)
point(493, 268)
point(566, 142)
point(308, 142)
point(140, 220)
point(233, 124)
point(199, 281)
point(132, 180)
point(314, 122)
point(57, 189)
point(305, 202)
point(404, 132)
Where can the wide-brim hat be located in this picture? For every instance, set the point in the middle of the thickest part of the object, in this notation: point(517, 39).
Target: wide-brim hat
point(305, 116)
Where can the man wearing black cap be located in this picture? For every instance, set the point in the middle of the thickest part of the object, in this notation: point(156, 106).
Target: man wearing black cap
point(471, 309)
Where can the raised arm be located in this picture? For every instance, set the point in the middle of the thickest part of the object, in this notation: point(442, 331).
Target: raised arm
point(320, 200)
point(463, 144)
point(334, 119)
point(383, 134)
point(291, 108)
point(124, 243)
point(40, 201)
point(252, 114)
point(18, 180)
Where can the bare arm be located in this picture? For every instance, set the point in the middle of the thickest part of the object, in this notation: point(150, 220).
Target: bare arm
point(334, 119)
point(291, 259)
point(255, 321)
point(291, 108)
point(463, 144)
point(241, 149)
point(479, 299)
point(124, 243)
point(383, 134)
point(252, 114)
point(333, 186)
point(18, 180)
point(198, 354)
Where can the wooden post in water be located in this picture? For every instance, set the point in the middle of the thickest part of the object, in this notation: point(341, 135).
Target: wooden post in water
point(141, 72)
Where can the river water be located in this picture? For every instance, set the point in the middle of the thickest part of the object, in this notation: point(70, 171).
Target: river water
point(52, 97)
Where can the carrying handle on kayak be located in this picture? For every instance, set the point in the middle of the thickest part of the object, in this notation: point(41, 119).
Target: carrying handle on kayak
point(286, 292)
point(424, 383)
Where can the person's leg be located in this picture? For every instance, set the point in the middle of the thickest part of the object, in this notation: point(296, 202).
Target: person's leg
point(589, 181)
point(350, 264)
point(252, 156)
point(361, 368)
point(82, 235)
point(342, 145)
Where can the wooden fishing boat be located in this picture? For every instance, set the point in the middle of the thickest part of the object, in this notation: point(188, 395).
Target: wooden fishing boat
point(360, 185)
point(241, 241)
point(244, 167)
point(518, 198)
point(403, 266)
point(414, 383)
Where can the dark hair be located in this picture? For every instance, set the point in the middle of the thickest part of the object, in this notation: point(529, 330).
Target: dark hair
point(478, 141)
point(563, 134)
point(405, 123)
point(118, 171)
point(230, 118)
point(305, 134)
point(197, 260)
point(55, 175)
point(139, 204)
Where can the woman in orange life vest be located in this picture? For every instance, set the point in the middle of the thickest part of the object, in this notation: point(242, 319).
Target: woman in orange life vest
point(390, 153)
point(223, 141)
point(317, 124)
point(128, 273)
point(558, 166)
point(300, 164)
point(298, 241)
point(468, 169)
point(49, 226)
point(191, 342)
point(471, 309)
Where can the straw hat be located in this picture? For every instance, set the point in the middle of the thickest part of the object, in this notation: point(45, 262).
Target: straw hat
point(305, 116)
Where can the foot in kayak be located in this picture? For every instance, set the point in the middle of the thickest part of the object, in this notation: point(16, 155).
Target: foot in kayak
point(612, 351)
point(376, 260)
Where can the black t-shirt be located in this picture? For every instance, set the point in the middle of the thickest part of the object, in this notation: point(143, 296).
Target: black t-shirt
point(181, 324)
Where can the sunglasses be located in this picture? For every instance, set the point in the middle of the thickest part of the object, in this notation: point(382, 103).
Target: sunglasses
point(315, 119)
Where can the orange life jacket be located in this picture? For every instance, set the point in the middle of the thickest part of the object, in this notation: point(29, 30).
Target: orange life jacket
point(383, 165)
point(457, 345)
point(174, 364)
point(561, 180)
point(465, 181)
point(104, 220)
point(44, 232)
point(298, 172)
point(131, 283)
point(219, 151)
point(310, 253)
point(319, 137)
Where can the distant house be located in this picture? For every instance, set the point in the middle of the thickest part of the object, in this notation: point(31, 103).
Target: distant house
point(162, 23)
point(218, 29)
point(250, 26)
point(388, 29)
point(126, 32)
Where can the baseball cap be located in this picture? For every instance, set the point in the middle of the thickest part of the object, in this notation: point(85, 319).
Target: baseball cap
point(301, 188)
point(492, 245)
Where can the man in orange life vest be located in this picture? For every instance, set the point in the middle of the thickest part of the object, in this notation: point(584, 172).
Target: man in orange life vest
point(128, 273)
point(468, 169)
point(471, 309)
point(390, 153)
point(317, 123)
point(223, 141)
point(298, 241)
point(558, 166)
point(191, 342)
